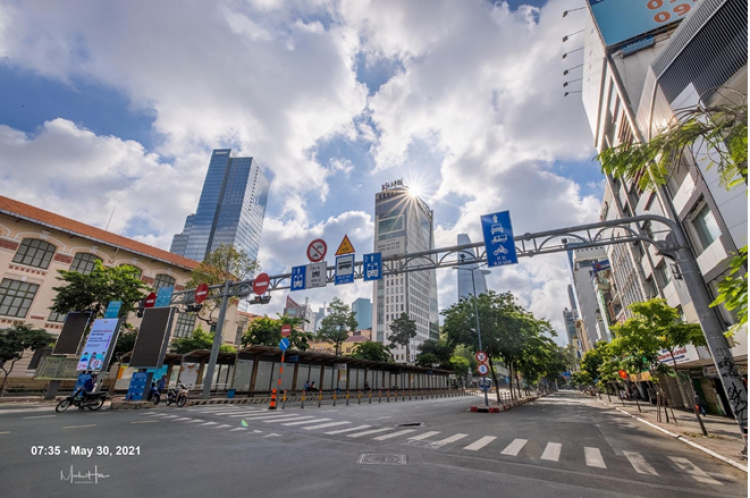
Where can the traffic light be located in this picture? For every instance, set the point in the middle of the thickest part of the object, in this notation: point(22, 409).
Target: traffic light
point(193, 308)
point(260, 300)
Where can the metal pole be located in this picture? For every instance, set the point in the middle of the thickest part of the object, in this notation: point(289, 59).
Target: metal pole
point(217, 342)
point(479, 332)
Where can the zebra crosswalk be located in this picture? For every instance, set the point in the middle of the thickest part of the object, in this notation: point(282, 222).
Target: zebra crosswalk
point(550, 452)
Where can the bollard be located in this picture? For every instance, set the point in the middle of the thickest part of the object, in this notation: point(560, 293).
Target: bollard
point(272, 405)
point(347, 397)
point(369, 397)
point(388, 395)
point(334, 398)
point(395, 395)
point(320, 398)
point(403, 394)
point(379, 398)
point(359, 397)
point(303, 400)
point(409, 394)
point(283, 400)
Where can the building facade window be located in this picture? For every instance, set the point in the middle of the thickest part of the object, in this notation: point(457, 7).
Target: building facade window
point(163, 280)
point(185, 325)
point(663, 276)
point(84, 263)
point(705, 227)
point(16, 297)
point(57, 317)
point(35, 252)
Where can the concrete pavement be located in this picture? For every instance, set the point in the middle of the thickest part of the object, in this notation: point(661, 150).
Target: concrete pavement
point(561, 445)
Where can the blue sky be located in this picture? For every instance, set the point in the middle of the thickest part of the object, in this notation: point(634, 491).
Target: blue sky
point(118, 107)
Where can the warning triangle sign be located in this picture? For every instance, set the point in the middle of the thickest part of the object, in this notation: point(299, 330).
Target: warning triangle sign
point(345, 247)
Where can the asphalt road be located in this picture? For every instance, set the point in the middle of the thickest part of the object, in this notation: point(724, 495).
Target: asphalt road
point(560, 446)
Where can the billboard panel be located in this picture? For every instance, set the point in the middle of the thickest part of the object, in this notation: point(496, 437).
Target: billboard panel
point(621, 20)
point(71, 333)
point(99, 345)
point(151, 342)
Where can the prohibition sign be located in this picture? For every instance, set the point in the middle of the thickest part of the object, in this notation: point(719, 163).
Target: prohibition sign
point(481, 356)
point(483, 369)
point(316, 251)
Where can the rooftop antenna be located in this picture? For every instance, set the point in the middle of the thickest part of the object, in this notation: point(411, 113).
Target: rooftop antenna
point(110, 217)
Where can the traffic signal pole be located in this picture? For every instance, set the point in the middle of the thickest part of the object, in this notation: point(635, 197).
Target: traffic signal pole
point(218, 332)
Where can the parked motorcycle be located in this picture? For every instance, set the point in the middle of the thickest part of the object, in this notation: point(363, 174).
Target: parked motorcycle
point(177, 395)
point(154, 394)
point(92, 401)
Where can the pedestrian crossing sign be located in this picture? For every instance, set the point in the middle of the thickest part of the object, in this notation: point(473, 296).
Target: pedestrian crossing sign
point(345, 247)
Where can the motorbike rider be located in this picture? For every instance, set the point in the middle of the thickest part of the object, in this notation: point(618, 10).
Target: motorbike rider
point(88, 388)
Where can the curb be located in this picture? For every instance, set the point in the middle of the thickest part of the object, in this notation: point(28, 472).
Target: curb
point(679, 437)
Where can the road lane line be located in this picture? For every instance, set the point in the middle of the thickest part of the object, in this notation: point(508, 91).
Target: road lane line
point(287, 418)
point(78, 426)
point(480, 443)
point(195, 421)
point(210, 423)
point(172, 416)
point(515, 447)
point(393, 434)
point(263, 415)
point(39, 416)
point(253, 413)
point(222, 426)
point(367, 433)
point(448, 440)
point(594, 457)
point(146, 422)
point(639, 463)
point(552, 452)
point(238, 429)
point(695, 472)
point(308, 421)
point(378, 418)
point(325, 426)
point(181, 419)
point(424, 436)
point(349, 429)
point(5, 432)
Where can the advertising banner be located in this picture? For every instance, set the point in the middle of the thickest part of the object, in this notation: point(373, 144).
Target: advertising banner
point(99, 344)
point(620, 20)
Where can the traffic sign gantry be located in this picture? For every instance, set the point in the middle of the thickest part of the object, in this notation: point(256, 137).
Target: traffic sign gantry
point(286, 330)
point(316, 251)
point(201, 293)
point(481, 356)
point(150, 300)
point(261, 283)
point(483, 369)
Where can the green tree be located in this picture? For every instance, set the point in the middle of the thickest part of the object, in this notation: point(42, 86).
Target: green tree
point(227, 348)
point(125, 341)
point(226, 262)
point(460, 365)
point(17, 340)
point(93, 292)
point(338, 324)
point(263, 331)
point(440, 351)
point(373, 351)
point(593, 359)
point(733, 290)
point(403, 331)
point(199, 340)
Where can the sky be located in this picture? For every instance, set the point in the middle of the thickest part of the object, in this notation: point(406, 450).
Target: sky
point(113, 108)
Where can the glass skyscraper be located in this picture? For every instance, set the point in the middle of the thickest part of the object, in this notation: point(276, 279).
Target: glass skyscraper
point(467, 287)
point(404, 224)
point(362, 308)
point(230, 211)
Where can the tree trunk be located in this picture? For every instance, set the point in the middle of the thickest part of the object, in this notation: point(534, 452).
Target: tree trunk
point(494, 378)
point(5, 379)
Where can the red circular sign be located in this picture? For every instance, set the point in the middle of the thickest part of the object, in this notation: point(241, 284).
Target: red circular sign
point(286, 330)
point(261, 283)
point(316, 251)
point(150, 300)
point(483, 369)
point(201, 293)
point(481, 356)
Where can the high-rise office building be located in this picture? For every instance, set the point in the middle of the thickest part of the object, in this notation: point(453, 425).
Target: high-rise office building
point(230, 211)
point(404, 224)
point(362, 308)
point(471, 280)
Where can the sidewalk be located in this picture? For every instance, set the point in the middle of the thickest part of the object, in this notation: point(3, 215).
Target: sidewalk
point(723, 433)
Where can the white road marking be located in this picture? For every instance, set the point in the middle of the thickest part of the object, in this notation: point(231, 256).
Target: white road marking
point(552, 452)
point(261, 415)
point(378, 418)
point(324, 426)
point(696, 473)
point(209, 423)
point(160, 414)
point(181, 419)
point(172, 416)
point(39, 416)
point(639, 463)
point(251, 414)
point(448, 440)
point(515, 447)
point(308, 421)
point(341, 431)
point(238, 429)
point(194, 421)
point(594, 457)
point(393, 434)
point(286, 419)
point(367, 433)
point(424, 436)
point(222, 426)
point(480, 443)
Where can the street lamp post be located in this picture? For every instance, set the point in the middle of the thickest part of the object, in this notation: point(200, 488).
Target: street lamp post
point(476, 313)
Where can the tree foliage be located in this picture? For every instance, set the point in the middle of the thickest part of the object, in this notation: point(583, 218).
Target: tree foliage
point(93, 292)
point(403, 332)
point(373, 351)
point(200, 339)
point(265, 331)
point(733, 290)
point(338, 324)
point(15, 341)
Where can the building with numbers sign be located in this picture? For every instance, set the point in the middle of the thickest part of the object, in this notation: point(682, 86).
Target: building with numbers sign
point(404, 223)
point(644, 63)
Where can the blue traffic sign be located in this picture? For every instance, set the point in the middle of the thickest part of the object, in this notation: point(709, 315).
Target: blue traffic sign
point(298, 278)
point(164, 296)
point(113, 309)
point(498, 239)
point(372, 267)
point(284, 344)
point(344, 269)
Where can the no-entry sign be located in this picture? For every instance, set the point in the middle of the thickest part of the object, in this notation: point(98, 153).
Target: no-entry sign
point(201, 293)
point(150, 300)
point(286, 330)
point(316, 251)
point(261, 283)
